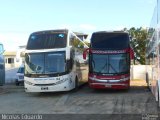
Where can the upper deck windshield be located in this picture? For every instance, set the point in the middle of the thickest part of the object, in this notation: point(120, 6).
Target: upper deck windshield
point(47, 40)
point(110, 63)
point(45, 63)
point(109, 40)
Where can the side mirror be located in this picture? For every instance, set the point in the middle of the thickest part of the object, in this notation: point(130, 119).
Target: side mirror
point(85, 53)
point(131, 53)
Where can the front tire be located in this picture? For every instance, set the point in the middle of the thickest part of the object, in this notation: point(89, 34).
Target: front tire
point(76, 87)
point(17, 83)
point(147, 81)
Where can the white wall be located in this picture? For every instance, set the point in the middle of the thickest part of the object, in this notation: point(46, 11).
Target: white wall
point(19, 59)
point(138, 72)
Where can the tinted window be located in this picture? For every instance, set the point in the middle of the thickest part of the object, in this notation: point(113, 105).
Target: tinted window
point(45, 63)
point(34, 63)
point(47, 41)
point(110, 40)
point(55, 62)
point(110, 64)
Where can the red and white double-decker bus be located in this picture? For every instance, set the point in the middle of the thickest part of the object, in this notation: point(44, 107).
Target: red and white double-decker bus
point(109, 60)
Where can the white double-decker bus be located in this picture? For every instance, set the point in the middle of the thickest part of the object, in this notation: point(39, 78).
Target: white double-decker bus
point(153, 54)
point(54, 61)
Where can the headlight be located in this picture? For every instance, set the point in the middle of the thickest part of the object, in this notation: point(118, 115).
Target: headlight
point(92, 78)
point(29, 83)
point(125, 79)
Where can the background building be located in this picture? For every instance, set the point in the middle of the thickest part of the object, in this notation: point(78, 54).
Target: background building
point(10, 59)
point(13, 59)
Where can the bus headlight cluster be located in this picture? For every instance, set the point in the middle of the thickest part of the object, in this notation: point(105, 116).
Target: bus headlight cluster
point(58, 82)
point(109, 80)
point(124, 79)
point(61, 81)
point(29, 83)
point(92, 78)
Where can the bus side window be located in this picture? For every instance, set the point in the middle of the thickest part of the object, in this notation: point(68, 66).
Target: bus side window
point(1, 49)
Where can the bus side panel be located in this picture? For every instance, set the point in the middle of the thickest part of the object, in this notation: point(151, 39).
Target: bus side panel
point(81, 64)
point(2, 70)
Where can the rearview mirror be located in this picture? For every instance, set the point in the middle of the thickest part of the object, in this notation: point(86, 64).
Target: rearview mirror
point(131, 53)
point(85, 53)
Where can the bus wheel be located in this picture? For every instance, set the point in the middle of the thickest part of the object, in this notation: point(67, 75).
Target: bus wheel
point(17, 83)
point(76, 84)
point(147, 81)
point(128, 88)
point(158, 99)
point(158, 103)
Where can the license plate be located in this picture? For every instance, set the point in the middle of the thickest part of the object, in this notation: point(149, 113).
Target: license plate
point(44, 88)
point(107, 85)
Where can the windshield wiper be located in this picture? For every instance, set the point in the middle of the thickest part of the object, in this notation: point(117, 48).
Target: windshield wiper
point(109, 65)
point(112, 68)
point(93, 66)
point(105, 66)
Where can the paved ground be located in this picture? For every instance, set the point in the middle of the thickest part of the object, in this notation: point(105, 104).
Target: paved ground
point(136, 101)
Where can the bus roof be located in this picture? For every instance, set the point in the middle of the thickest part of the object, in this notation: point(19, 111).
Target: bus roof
point(50, 31)
point(121, 32)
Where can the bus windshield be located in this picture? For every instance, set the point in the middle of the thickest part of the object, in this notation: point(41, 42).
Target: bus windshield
point(47, 41)
point(110, 64)
point(45, 63)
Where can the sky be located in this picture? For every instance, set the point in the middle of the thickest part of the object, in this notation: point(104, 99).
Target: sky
point(19, 18)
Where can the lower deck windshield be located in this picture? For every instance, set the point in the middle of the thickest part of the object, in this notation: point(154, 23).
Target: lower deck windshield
point(45, 63)
point(110, 63)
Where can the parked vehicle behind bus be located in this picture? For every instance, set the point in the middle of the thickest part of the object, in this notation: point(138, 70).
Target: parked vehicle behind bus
point(109, 60)
point(20, 75)
point(2, 65)
point(53, 61)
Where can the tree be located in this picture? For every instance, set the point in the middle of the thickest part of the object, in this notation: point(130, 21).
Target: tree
point(138, 43)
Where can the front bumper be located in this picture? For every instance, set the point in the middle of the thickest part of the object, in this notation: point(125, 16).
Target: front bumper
point(97, 83)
